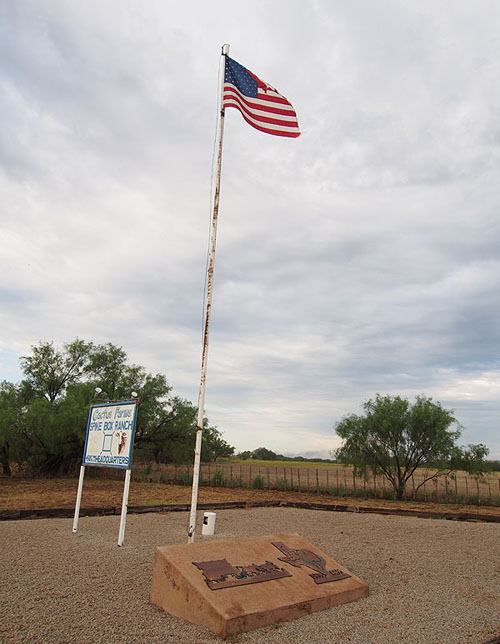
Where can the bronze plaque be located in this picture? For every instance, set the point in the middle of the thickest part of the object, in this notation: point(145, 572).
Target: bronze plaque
point(222, 574)
point(312, 560)
point(187, 578)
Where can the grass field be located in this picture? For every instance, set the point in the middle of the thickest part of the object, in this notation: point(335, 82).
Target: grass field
point(244, 480)
point(44, 493)
point(327, 478)
point(291, 463)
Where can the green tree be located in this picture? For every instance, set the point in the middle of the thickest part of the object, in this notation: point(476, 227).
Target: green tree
point(213, 445)
point(166, 429)
point(10, 413)
point(264, 454)
point(394, 438)
point(472, 460)
point(49, 371)
point(43, 419)
point(15, 401)
point(107, 368)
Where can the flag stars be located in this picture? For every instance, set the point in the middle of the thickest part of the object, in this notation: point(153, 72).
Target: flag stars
point(238, 76)
point(259, 103)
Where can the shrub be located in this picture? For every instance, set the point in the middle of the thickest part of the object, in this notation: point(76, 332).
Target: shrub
point(239, 482)
point(337, 491)
point(258, 483)
point(185, 478)
point(218, 479)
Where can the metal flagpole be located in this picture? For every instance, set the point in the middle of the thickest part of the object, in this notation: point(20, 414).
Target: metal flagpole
point(201, 397)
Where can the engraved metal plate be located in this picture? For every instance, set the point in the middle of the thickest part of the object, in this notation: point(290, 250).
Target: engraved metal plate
point(222, 574)
point(312, 560)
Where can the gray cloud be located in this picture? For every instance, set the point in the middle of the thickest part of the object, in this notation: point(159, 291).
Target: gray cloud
point(360, 258)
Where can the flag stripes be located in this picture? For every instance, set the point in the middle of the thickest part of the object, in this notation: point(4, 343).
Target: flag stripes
point(261, 105)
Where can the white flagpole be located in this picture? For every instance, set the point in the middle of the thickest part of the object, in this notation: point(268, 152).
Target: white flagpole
point(201, 397)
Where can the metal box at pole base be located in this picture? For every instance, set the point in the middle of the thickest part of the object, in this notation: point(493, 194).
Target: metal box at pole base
point(208, 523)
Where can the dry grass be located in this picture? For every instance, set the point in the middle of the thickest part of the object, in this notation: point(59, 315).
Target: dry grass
point(24, 494)
point(338, 480)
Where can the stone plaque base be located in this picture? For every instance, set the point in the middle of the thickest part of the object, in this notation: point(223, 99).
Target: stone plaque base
point(241, 584)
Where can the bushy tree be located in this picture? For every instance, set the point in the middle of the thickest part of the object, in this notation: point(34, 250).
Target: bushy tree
point(10, 413)
point(43, 419)
point(264, 454)
point(213, 446)
point(107, 368)
point(50, 371)
point(394, 438)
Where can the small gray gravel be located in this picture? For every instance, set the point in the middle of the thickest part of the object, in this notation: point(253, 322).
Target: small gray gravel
point(431, 581)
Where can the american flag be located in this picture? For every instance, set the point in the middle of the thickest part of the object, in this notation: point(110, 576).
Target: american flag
point(260, 104)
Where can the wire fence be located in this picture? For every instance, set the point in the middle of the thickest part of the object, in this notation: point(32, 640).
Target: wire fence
point(335, 481)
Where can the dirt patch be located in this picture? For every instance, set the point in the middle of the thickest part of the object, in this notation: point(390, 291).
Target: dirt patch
point(27, 494)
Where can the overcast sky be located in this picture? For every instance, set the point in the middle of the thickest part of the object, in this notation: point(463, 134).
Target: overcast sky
point(360, 258)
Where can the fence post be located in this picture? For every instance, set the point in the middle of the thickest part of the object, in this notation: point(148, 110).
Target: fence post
point(268, 486)
point(298, 475)
point(308, 486)
point(467, 488)
point(436, 485)
point(317, 482)
point(337, 475)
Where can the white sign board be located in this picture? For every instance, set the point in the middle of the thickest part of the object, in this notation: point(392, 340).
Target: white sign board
point(110, 434)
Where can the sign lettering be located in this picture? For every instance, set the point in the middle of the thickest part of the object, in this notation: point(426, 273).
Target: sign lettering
point(110, 434)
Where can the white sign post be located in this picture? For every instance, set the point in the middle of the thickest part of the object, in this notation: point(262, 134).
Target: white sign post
point(109, 442)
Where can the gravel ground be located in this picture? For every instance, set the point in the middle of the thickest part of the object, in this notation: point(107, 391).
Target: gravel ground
point(431, 581)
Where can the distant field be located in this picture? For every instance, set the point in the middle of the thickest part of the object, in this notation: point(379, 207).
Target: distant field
point(290, 463)
point(331, 479)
